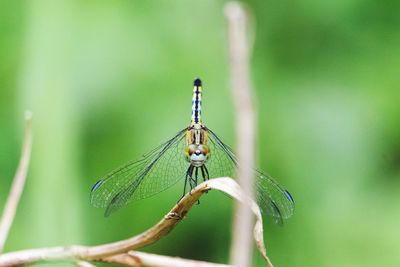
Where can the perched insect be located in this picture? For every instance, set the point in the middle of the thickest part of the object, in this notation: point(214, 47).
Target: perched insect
point(194, 153)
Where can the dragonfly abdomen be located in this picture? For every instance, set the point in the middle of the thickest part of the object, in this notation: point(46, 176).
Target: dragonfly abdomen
point(196, 101)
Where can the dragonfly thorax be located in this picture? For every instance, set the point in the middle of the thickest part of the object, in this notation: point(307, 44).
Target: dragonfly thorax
point(197, 151)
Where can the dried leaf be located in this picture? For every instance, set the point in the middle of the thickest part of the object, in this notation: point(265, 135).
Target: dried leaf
point(230, 187)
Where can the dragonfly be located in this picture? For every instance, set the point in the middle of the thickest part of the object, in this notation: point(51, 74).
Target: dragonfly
point(194, 154)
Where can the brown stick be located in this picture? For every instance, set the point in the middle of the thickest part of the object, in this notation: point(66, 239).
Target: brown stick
point(239, 53)
point(108, 252)
point(136, 258)
point(103, 251)
point(18, 183)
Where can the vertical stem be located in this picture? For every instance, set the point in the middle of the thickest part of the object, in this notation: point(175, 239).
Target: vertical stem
point(18, 183)
point(242, 247)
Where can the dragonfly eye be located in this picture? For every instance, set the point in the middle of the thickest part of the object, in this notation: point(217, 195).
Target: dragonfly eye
point(197, 150)
point(205, 150)
point(191, 149)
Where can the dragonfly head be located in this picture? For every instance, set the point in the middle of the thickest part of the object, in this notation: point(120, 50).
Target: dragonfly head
point(197, 155)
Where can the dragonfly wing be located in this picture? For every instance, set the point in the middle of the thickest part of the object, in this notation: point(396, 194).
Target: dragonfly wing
point(272, 198)
point(222, 161)
point(165, 171)
point(154, 172)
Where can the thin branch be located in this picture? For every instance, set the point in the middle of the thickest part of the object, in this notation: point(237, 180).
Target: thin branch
point(136, 258)
point(103, 251)
point(18, 182)
point(108, 252)
point(156, 232)
point(239, 53)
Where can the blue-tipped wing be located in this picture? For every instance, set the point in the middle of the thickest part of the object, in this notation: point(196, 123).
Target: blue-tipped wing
point(154, 172)
point(272, 198)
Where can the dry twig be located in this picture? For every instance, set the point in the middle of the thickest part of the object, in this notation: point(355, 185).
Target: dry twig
point(18, 183)
point(136, 258)
point(117, 252)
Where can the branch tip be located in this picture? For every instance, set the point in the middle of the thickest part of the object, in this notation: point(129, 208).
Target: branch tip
point(121, 251)
point(18, 183)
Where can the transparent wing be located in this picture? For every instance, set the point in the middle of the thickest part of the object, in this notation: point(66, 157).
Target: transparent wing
point(154, 172)
point(272, 198)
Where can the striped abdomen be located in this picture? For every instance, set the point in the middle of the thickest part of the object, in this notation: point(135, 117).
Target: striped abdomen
point(196, 102)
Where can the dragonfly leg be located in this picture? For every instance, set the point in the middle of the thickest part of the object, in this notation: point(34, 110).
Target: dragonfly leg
point(204, 173)
point(189, 173)
point(191, 180)
point(207, 174)
point(196, 175)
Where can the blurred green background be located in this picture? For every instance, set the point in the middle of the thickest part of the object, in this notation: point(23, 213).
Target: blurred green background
point(109, 80)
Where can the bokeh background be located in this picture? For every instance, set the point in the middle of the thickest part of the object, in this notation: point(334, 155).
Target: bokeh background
point(109, 80)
